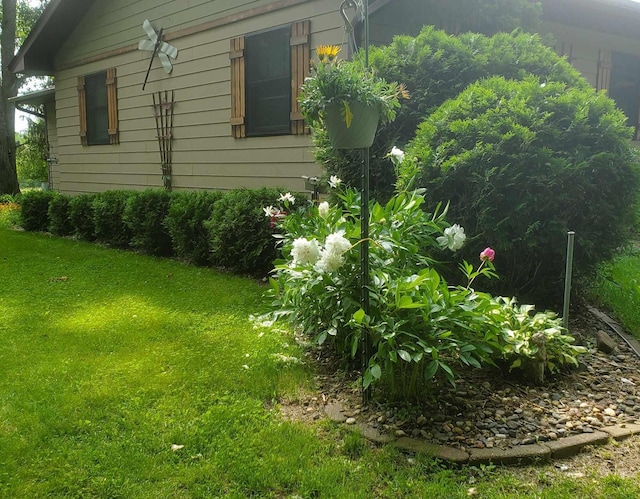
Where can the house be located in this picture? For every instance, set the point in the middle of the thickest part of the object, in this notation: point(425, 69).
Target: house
point(217, 107)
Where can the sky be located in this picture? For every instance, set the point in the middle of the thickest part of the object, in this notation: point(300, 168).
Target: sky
point(21, 121)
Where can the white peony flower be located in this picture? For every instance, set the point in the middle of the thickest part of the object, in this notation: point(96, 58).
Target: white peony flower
point(329, 262)
point(288, 197)
point(397, 155)
point(337, 244)
point(453, 238)
point(334, 181)
point(305, 252)
point(269, 211)
point(323, 209)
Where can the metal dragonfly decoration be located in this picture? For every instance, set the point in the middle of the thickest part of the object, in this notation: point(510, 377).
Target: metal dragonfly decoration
point(157, 46)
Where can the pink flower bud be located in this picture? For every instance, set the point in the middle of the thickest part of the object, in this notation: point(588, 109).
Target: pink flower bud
point(488, 254)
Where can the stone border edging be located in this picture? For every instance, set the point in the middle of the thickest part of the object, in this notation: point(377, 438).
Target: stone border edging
point(521, 454)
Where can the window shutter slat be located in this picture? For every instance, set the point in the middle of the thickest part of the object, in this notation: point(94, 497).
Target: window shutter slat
point(604, 70)
point(112, 106)
point(238, 105)
point(82, 110)
point(300, 66)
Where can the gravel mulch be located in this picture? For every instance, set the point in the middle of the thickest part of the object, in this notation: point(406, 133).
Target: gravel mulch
point(490, 409)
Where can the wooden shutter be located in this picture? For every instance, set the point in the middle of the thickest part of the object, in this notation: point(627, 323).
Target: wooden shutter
point(300, 66)
point(566, 49)
point(238, 106)
point(112, 106)
point(82, 110)
point(604, 70)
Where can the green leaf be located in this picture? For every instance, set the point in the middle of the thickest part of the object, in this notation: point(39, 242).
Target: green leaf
point(376, 372)
point(431, 369)
point(366, 381)
point(354, 346)
point(404, 355)
point(406, 302)
point(359, 316)
point(515, 363)
point(275, 285)
point(347, 115)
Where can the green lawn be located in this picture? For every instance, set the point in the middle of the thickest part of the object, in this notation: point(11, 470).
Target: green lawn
point(108, 359)
point(618, 288)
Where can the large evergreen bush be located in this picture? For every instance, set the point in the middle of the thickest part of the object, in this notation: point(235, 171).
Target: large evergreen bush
point(522, 163)
point(188, 211)
point(144, 215)
point(435, 67)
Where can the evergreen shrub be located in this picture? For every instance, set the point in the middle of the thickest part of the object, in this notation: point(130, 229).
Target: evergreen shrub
point(59, 221)
point(34, 210)
point(144, 215)
point(108, 217)
point(522, 163)
point(81, 216)
point(188, 211)
point(240, 235)
point(436, 66)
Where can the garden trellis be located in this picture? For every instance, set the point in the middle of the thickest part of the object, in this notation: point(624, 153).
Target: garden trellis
point(163, 105)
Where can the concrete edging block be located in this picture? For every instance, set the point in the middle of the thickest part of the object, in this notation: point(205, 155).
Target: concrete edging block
point(569, 446)
point(450, 454)
point(514, 455)
point(622, 431)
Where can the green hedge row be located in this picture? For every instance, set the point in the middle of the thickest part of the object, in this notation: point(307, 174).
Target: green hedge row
point(221, 229)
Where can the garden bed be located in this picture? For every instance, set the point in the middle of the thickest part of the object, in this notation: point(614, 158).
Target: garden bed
point(491, 409)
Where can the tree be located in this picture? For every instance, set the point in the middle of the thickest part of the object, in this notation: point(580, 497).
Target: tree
point(31, 152)
point(8, 88)
point(17, 19)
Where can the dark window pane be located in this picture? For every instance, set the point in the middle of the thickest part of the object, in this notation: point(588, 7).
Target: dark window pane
point(625, 85)
point(97, 110)
point(268, 82)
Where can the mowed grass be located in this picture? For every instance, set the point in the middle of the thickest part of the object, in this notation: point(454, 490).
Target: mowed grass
point(110, 362)
point(618, 288)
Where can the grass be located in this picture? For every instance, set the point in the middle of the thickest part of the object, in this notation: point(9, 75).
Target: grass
point(618, 288)
point(108, 359)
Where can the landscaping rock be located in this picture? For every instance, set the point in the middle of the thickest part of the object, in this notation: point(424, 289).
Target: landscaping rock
point(604, 342)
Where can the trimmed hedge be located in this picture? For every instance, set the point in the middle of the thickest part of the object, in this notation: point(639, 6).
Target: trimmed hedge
point(59, 221)
point(223, 229)
point(81, 216)
point(240, 235)
point(34, 210)
point(188, 211)
point(144, 215)
point(108, 212)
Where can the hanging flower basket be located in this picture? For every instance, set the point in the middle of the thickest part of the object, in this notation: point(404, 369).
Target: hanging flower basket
point(363, 125)
point(348, 99)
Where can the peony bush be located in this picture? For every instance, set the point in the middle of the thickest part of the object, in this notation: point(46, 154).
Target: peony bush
point(419, 326)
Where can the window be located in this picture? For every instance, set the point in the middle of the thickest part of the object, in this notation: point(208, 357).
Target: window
point(98, 108)
point(267, 69)
point(624, 87)
point(268, 82)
